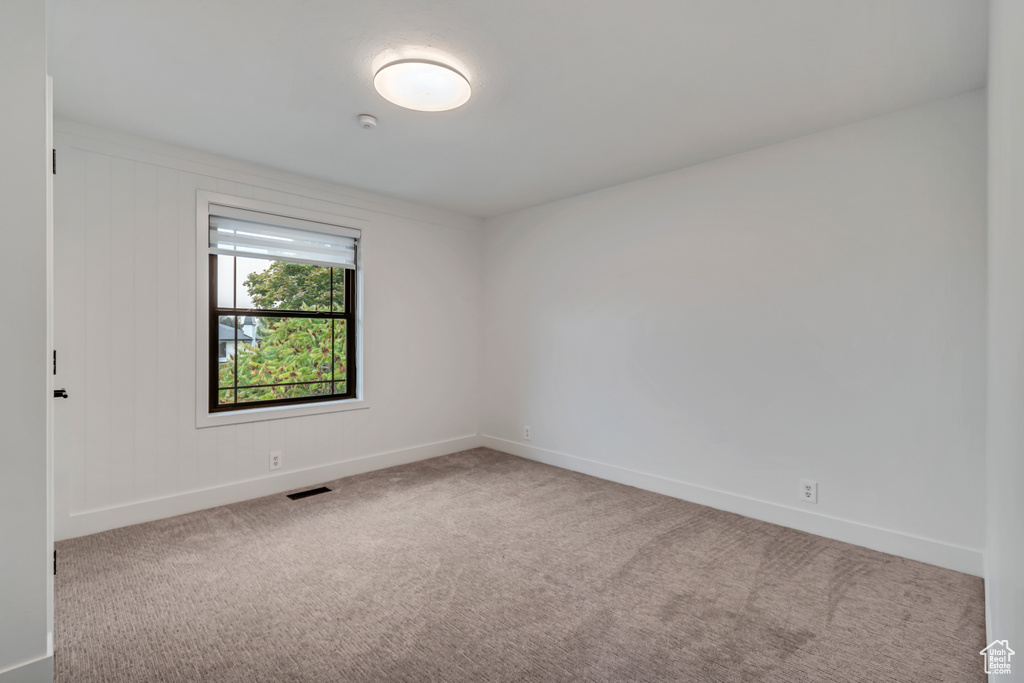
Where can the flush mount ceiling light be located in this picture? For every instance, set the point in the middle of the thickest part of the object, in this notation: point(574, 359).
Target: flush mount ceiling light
point(422, 85)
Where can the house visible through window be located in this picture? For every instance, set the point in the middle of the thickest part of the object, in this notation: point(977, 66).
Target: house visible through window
point(282, 311)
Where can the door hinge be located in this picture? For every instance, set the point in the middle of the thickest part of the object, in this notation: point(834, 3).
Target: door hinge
point(54, 161)
point(55, 563)
point(55, 361)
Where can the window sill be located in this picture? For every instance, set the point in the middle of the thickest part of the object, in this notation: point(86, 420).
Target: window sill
point(207, 419)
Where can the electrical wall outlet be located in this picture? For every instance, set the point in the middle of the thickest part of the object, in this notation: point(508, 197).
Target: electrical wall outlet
point(809, 491)
point(275, 460)
point(526, 432)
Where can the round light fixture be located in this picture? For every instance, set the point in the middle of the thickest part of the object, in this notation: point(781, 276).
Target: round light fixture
point(422, 85)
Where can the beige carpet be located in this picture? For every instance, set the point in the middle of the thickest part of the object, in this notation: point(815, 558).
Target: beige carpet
point(481, 566)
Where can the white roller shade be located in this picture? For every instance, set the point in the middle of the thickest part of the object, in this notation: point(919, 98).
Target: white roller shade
point(238, 232)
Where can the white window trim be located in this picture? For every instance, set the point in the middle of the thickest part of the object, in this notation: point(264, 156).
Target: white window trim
point(204, 418)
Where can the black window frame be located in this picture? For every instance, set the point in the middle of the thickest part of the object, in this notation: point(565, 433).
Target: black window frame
point(351, 330)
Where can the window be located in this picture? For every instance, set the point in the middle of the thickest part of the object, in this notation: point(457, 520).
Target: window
point(282, 310)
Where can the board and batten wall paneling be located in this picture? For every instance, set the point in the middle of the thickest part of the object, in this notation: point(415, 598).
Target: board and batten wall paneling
point(127, 448)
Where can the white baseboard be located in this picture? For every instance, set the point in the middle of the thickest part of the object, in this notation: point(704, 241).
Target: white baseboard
point(959, 558)
point(37, 671)
point(94, 521)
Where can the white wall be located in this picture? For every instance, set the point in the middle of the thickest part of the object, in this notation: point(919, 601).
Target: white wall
point(811, 309)
point(127, 449)
point(1004, 552)
point(24, 561)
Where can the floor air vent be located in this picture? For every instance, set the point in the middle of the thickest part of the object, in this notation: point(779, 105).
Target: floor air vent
point(306, 494)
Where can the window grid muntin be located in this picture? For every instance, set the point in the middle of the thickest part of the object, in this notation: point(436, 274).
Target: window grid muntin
point(348, 315)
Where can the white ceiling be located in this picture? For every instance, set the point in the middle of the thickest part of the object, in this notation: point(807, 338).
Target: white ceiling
point(569, 95)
